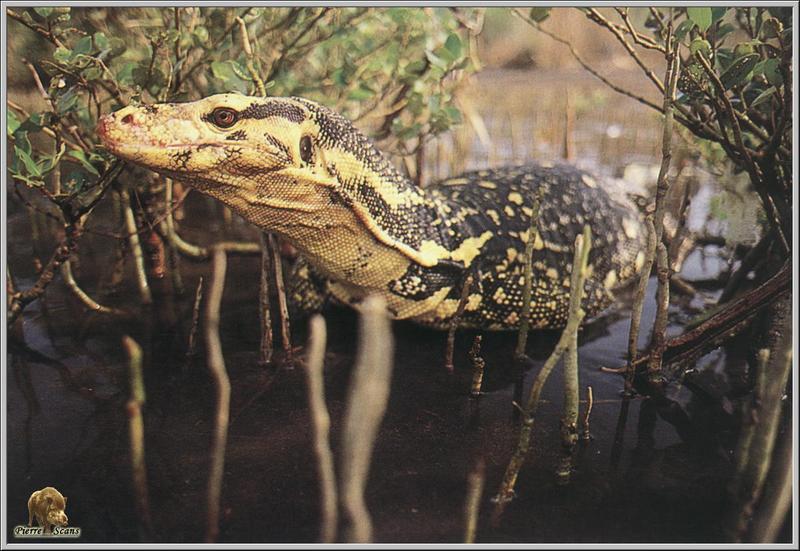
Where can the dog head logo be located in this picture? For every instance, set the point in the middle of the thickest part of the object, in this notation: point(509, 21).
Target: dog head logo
point(47, 506)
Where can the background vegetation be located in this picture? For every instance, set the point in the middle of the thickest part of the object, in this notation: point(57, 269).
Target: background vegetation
point(723, 75)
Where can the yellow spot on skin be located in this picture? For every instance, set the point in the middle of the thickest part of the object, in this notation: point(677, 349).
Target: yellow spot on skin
point(491, 213)
point(487, 184)
point(511, 254)
point(610, 279)
point(509, 211)
point(470, 248)
point(515, 197)
point(473, 302)
point(538, 244)
point(455, 182)
point(630, 228)
point(552, 273)
point(512, 318)
point(589, 181)
point(639, 260)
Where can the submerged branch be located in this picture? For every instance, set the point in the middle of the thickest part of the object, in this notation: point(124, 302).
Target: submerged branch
point(216, 365)
point(320, 425)
point(136, 435)
point(575, 317)
point(367, 398)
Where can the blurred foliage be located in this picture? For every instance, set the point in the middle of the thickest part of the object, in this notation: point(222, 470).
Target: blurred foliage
point(734, 86)
point(391, 70)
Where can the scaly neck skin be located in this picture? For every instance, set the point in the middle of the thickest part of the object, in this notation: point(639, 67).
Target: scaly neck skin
point(330, 234)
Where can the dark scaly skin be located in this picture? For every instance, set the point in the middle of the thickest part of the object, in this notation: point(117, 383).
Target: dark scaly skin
point(478, 201)
point(296, 168)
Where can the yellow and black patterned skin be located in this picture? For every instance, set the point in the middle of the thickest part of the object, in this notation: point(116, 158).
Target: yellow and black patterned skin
point(296, 168)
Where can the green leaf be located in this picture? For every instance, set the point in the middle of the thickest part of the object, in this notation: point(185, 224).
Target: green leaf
point(62, 55)
point(700, 45)
point(771, 28)
point(723, 30)
point(66, 101)
point(772, 71)
point(125, 74)
point(101, 42)
point(683, 28)
point(453, 45)
point(117, 45)
point(222, 70)
point(764, 96)
point(718, 13)
point(360, 94)
point(83, 46)
point(26, 159)
point(201, 34)
point(81, 156)
point(739, 70)
point(43, 12)
point(701, 17)
point(12, 123)
point(539, 14)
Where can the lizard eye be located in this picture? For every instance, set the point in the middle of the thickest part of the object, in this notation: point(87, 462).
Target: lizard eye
point(224, 117)
point(305, 149)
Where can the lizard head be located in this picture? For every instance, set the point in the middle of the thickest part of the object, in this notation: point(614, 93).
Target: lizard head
point(289, 165)
point(259, 155)
point(225, 140)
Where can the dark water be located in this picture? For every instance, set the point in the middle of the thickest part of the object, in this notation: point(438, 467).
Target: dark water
point(67, 388)
point(67, 428)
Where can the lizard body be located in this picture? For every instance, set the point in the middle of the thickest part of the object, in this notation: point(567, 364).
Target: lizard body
point(296, 168)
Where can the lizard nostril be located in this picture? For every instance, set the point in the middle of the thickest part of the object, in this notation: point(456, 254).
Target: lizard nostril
point(127, 119)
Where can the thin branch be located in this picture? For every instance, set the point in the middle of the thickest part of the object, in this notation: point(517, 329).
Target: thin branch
point(222, 385)
point(40, 30)
point(320, 424)
point(367, 399)
point(575, 317)
point(595, 16)
point(136, 434)
point(454, 322)
point(586, 66)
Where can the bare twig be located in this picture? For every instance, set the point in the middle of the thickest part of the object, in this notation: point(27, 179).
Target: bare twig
point(283, 306)
point(454, 321)
point(367, 399)
point(136, 248)
point(478, 365)
point(89, 302)
point(39, 29)
point(320, 425)
point(191, 348)
point(136, 434)
point(249, 63)
point(595, 16)
point(569, 418)
point(472, 506)
point(638, 304)
point(575, 317)
point(586, 66)
point(760, 440)
point(265, 316)
point(216, 365)
point(658, 339)
point(585, 434)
